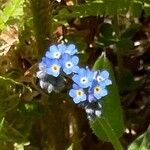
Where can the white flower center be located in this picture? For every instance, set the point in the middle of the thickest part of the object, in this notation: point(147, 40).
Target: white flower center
point(84, 80)
point(69, 64)
point(55, 68)
point(79, 93)
point(97, 89)
point(57, 55)
point(99, 78)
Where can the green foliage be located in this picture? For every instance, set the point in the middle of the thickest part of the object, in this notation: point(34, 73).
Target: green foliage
point(70, 147)
point(112, 116)
point(142, 142)
point(103, 7)
point(28, 115)
point(130, 31)
point(13, 9)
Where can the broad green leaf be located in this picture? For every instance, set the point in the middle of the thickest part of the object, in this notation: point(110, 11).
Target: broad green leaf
point(111, 111)
point(102, 123)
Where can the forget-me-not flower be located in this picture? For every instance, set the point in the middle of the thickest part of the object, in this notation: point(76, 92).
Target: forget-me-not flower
point(83, 78)
point(70, 49)
point(96, 91)
point(78, 94)
point(103, 76)
point(54, 52)
point(69, 63)
point(52, 66)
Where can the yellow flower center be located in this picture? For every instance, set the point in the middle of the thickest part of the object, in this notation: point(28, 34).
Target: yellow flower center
point(55, 68)
point(79, 93)
point(97, 89)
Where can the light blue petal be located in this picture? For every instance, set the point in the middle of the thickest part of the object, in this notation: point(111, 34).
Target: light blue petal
point(62, 48)
point(75, 60)
point(75, 86)
point(47, 62)
point(76, 79)
point(103, 92)
point(104, 74)
point(83, 97)
point(76, 100)
point(67, 71)
point(108, 82)
point(50, 72)
point(53, 48)
point(91, 98)
point(49, 54)
point(97, 95)
point(71, 49)
point(82, 72)
point(72, 93)
point(75, 69)
point(102, 84)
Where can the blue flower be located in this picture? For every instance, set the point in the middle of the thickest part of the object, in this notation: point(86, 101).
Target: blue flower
point(103, 76)
point(54, 52)
point(71, 49)
point(84, 78)
point(69, 63)
point(52, 66)
point(77, 94)
point(97, 91)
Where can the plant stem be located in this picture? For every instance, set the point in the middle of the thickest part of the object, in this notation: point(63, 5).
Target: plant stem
point(119, 57)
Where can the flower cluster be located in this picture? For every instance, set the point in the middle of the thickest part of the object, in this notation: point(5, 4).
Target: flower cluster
point(59, 60)
point(59, 63)
point(89, 85)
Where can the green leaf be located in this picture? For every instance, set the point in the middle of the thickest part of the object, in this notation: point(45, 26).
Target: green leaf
point(107, 129)
point(13, 8)
point(142, 142)
point(111, 112)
